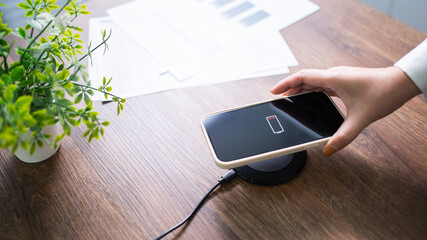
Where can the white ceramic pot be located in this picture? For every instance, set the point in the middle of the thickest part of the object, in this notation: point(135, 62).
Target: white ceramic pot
point(41, 153)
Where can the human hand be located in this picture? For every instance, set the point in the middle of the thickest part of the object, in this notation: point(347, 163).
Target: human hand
point(368, 94)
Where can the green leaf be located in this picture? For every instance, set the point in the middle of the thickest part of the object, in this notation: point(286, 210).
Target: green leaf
point(68, 9)
point(76, 28)
point(59, 93)
point(32, 148)
point(29, 13)
point(40, 113)
point(4, 43)
point(76, 89)
point(39, 143)
point(37, 2)
point(41, 77)
point(29, 120)
point(64, 74)
point(67, 128)
point(106, 123)
point(72, 121)
point(78, 98)
point(87, 99)
point(61, 67)
point(93, 115)
point(86, 133)
point(24, 102)
point(29, 2)
point(11, 109)
point(64, 102)
point(90, 125)
point(8, 93)
point(22, 32)
point(23, 6)
point(96, 133)
point(58, 138)
point(68, 86)
point(25, 145)
point(17, 74)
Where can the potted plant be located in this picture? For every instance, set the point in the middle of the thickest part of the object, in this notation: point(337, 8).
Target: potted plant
point(48, 85)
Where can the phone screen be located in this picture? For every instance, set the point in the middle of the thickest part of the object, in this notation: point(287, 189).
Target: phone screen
point(271, 126)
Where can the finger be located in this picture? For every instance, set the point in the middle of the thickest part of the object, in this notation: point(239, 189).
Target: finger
point(293, 91)
point(348, 131)
point(314, 78)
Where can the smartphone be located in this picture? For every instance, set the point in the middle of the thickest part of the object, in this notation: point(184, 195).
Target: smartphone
point(264, 130)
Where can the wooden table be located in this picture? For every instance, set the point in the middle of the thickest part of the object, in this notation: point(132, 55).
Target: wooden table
point(153, 165)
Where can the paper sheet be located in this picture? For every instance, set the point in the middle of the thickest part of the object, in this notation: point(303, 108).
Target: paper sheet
point(186, 36)
point(165, 44)
point(135, 73)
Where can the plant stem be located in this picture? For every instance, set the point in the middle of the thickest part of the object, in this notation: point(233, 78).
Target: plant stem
point(6, 67)
point(53, 40)
point(85, 86)
point(92, 50)
point(41, 32)
point(34, 18)
point(82, 115)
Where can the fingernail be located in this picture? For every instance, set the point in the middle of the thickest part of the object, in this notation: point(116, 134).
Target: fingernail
point(329, 150)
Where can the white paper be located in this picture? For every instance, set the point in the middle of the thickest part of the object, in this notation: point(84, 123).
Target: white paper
point(287, 12)
point(187, 35)
point(269, 55)
point(134, 72)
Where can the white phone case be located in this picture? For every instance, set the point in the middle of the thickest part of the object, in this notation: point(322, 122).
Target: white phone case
point(263, 156)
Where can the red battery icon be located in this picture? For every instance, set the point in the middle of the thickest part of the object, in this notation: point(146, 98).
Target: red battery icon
point(275, 125)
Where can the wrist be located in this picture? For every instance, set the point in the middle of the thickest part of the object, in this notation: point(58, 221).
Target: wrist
point(404, 85)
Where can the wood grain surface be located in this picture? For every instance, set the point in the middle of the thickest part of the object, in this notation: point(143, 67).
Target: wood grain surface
point(153, 165)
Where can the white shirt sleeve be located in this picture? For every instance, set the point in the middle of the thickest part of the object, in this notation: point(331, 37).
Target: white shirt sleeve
point(414, 64)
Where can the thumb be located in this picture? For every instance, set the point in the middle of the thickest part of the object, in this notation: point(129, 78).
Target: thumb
point(350, 128)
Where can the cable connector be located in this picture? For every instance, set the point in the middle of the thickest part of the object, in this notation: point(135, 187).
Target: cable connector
point(227, 177)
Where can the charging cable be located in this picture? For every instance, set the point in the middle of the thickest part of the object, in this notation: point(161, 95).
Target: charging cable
point(224, 179)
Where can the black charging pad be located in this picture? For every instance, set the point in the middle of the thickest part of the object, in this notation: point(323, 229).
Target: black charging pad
point(274, 171)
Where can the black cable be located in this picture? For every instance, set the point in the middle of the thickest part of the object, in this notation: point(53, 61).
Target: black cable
point(224, 179)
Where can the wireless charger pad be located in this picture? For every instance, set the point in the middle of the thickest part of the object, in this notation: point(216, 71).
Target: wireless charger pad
point(274, 171)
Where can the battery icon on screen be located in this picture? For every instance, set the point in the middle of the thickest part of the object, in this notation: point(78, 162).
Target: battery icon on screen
point(274, 123)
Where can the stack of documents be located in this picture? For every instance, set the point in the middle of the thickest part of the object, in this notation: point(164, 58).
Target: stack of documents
point(158, 45)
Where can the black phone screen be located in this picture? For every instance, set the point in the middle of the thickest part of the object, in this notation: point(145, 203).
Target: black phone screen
point(271, 126)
